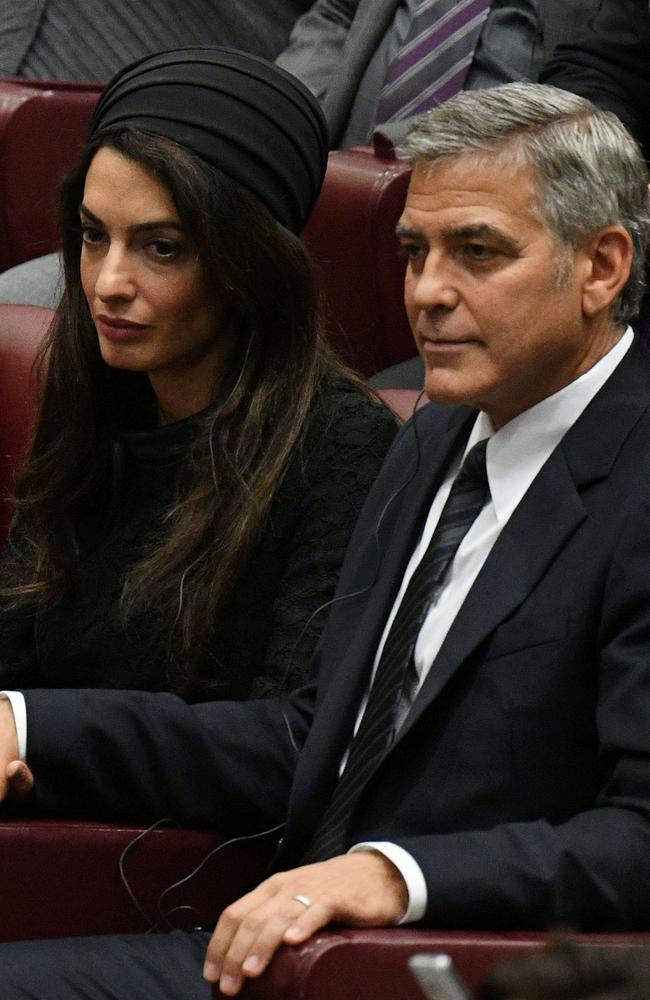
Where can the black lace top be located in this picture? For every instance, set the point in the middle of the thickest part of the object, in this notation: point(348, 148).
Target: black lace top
point(268, 627)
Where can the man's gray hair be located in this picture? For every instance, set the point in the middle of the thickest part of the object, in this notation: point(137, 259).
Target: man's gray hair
point(589, 172)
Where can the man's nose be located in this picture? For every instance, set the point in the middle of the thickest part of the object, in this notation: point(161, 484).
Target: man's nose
point(434, 287)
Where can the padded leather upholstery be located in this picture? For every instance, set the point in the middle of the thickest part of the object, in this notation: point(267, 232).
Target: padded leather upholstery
point(351, 235)
point(42, 127)
point(62, 878)
point(403, 402)
point(372, 964)
point(21, 330)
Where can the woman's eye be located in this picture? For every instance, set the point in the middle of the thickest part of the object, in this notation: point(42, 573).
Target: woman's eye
point(164, 249)
point(91, 235)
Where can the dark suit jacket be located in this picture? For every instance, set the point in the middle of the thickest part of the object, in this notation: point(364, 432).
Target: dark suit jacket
point(609, 62)
point(333, 42)
point(520, 781)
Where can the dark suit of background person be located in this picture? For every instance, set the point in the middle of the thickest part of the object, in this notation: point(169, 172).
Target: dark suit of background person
point(92, 39)
point(332, 44)
point(608, 62)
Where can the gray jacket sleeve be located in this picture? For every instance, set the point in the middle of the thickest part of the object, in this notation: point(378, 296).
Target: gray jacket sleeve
point(316, 43)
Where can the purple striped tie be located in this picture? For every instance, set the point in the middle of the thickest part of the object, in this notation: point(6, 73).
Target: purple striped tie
point(432, 64)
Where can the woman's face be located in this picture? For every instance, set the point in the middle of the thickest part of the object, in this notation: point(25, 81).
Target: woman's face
point(145, 286)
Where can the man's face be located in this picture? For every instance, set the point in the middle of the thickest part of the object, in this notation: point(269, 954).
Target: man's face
point(494, 324)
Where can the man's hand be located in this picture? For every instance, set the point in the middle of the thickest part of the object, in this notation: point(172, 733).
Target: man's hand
point(15, 776)
point(363, 889)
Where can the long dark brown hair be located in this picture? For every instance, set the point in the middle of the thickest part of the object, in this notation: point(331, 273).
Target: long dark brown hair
point(265, 275)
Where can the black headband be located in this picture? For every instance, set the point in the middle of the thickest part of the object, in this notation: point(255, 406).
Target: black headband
point(238, 112)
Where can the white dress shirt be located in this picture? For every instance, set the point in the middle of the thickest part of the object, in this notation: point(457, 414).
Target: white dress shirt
point(515, 455)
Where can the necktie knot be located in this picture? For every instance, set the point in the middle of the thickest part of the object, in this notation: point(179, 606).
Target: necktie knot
point(473, 471)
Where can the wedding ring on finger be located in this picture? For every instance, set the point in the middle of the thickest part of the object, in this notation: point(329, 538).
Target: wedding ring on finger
point(305, 900)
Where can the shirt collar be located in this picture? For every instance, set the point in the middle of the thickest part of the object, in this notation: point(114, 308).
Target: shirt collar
point(519, 449)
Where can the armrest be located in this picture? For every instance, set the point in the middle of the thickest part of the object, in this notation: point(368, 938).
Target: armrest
point(62, 878)
point(372, 964)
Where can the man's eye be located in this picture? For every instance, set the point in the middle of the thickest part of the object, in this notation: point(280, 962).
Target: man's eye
point(478, 251)
point(412, 251)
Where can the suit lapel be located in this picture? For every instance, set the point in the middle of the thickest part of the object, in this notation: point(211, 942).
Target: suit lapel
point(518, 560)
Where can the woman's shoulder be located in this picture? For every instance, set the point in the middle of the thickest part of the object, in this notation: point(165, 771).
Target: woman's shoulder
point(345, 414)
point(346, 439)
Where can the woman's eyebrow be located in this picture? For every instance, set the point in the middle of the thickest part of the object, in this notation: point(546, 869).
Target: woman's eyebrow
point(137, 227)
point(91, 215)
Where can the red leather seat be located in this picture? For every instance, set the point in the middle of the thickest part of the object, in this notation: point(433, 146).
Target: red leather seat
point(42, 127)
point(403, 402)
point(351, 235)
point(372, 964)
point(21, 331)
point(64, 878)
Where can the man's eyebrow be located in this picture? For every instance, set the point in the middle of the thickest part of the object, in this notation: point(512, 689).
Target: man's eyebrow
point(481, 231)
point(139, 227)
point(405, 232)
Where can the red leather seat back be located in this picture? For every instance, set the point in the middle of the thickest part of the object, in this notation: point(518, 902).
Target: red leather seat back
point(62, 878)
point(21, 331)
point(42, 128)
point(351, 235)
point(403, 402)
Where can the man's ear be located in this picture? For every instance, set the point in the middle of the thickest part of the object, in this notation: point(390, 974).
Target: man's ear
point(609, 255)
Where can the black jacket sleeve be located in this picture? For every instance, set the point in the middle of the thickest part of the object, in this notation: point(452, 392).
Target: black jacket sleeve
point(608, 62)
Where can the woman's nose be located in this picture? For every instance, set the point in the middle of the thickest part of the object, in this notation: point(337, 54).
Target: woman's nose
point(114, 277)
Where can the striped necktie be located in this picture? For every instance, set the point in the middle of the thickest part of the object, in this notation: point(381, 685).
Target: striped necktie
point(433, 62)
point(375, 733)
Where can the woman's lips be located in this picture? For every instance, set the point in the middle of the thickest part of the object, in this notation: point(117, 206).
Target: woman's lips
point(117, 328)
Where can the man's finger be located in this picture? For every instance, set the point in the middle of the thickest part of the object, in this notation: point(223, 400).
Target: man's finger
point(308, 922)
point(227, 927)
point(20, 779)
point(261, 934)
